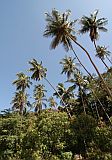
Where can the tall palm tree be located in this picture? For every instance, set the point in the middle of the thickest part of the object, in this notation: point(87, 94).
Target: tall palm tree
point(61, 29)
point(102, 52)
point(93, 25)
point(39, 96)
point(39, 72)
point(68, 66)
point(19, 101)
point(22, 82)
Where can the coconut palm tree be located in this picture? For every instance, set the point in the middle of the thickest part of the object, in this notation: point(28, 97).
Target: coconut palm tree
point(66, 94)
point(19, 101)
point(102, 52)
point(39, 72)
point(61, 29)
point(68, 66)
point(22, 82)
point(39, 96)
point(93, 25)
point(52, 102)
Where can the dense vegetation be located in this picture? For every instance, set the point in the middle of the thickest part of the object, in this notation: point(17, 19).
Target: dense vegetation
point(76, 121)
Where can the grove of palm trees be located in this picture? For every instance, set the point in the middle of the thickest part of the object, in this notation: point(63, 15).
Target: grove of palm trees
point(75, 122)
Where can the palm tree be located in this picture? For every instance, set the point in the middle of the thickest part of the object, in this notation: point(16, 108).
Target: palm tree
point(66, 95)
point(61, 29)
point(102, 52)
point(69, 67)
point(22, 82)
point(52, 102)
point(93, 25)
point(39, 96)
point(20, 101)
point(39, 72)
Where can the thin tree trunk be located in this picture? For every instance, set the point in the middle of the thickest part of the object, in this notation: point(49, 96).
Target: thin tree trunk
point(104, 63)
point(95, 44)
point(109, 59)
point(105, 85)
point(59, 96)
point(80, 90)
point(81, 63)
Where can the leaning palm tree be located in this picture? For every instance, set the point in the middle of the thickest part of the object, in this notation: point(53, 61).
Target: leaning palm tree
point(22, 82)
point(39, 72)
point(93, 25)
point(102, 52)
point(40, 98)
point(61, 29)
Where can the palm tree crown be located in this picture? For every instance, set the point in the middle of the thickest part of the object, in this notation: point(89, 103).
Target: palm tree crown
point(93, 25)
point(69, 67)
point(102, 52)
point(59, 27)
point(38, 70)
point(19, 101)
point(22, 82)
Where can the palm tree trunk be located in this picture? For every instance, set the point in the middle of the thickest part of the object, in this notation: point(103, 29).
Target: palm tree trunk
point(58, 95)
point(80, 90)
point(105, 85)
point(81, 63)
point(95, 44)
point(109, 59)
point(104, 63)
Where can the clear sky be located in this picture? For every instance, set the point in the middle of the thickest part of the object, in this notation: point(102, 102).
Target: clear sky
point(22, 23)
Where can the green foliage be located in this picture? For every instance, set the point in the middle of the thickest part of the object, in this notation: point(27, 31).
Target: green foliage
point(51, 135)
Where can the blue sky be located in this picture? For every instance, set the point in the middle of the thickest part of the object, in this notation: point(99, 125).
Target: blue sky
point(22, 23)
